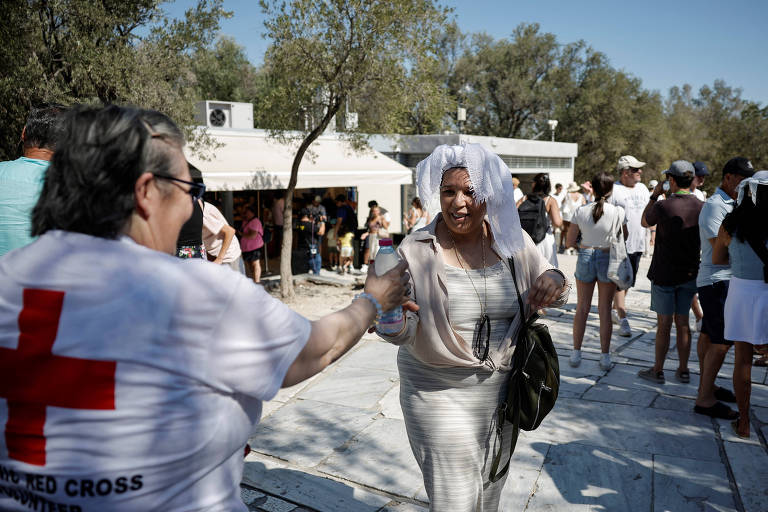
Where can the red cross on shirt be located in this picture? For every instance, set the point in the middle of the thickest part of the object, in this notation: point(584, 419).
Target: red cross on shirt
point(32, 378)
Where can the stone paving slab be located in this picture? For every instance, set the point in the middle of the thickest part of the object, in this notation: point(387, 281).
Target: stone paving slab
point(629, 428)
point(682, 484)
point(620, 395)
point(748, 463)
point(351, 387)
point(315, 492)
point(306, 431)
point(580, 477)
point(381, 457)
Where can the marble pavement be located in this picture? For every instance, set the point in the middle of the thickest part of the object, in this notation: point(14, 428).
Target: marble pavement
point(337, 442)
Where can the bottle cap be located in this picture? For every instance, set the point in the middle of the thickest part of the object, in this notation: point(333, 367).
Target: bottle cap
point(385, 242)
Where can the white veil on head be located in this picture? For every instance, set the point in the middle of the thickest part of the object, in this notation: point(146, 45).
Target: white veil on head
point(759, 178)
point(491, 181)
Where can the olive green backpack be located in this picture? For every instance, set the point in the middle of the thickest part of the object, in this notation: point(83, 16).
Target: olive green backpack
point(533, 383)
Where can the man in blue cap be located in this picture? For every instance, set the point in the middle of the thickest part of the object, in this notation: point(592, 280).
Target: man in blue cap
point(674, 266)
point(700, 171)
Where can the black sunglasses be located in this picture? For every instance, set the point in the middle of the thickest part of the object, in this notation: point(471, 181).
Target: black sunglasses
point(482, 338)
point(196, 190)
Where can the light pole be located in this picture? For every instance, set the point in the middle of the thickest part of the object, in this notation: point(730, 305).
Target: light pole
point(552, 125)
point(461, 116)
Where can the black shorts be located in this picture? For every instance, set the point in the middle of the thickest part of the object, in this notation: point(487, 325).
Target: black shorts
point(253, 255)
point(634, 260)
point(712, 300)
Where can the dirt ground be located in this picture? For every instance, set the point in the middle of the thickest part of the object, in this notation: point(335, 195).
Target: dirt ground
point(316, 300)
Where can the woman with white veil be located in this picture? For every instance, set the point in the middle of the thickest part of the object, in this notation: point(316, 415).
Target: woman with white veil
point(456, 352)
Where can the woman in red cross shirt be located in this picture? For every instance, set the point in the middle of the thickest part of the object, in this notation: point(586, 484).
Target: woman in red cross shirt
point(131, 379)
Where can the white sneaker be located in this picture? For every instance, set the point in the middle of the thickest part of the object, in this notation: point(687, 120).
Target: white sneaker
point(575, 359)
point(364, 268)
point(605, 362)
point(615, 317)
point(624, 329)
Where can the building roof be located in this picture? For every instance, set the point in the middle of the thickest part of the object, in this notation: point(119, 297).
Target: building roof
point(250, 160)
point(424, 144)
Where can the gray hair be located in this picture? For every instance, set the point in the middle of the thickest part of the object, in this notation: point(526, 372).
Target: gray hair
point(89, 187)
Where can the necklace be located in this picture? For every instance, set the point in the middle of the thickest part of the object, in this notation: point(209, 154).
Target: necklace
point(482, 336)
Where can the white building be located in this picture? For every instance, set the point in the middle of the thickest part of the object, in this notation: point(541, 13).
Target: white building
point(248, 159)
point(525, 158)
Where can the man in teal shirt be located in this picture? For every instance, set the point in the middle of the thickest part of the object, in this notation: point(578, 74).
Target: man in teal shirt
point(22, 179)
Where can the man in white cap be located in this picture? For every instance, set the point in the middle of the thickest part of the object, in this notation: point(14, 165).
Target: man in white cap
point(630, 194)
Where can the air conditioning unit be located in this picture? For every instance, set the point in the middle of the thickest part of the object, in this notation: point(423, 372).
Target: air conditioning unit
point(224, 114)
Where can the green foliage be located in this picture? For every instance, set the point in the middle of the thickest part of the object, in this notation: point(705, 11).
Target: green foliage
point(112, 51)
point(224, 73)
point(510, 87)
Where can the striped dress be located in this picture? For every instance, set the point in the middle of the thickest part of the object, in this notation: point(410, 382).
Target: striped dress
point(450, 412)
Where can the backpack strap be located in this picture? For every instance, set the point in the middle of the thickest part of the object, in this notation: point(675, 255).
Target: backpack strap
point(501, 416)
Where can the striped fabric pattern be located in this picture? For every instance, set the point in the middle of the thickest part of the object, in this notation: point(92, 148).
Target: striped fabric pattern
point(451, 424)
point(464, 305)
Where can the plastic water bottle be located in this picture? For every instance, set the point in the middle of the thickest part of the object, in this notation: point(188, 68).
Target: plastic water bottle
point(391, 322)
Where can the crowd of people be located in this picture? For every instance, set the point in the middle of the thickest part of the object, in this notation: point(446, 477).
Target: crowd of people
point(695, 264)
point(116, 338)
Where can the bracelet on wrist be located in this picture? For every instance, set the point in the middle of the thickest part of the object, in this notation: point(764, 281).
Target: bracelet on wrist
point(373, 301)
point(558, 271)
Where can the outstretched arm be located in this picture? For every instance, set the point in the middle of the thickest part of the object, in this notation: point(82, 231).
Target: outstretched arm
point(334, 334)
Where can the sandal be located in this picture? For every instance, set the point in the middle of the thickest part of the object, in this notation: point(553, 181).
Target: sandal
point(719, 410)
point(683, 376)
point(735, 427)
point(650, 375)
point(724, 395)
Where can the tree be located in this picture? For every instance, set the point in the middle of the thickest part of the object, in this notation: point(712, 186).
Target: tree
point(112, 51)
point(326, 52)
point(607, 113)
point(507, 85)
point(223, 72)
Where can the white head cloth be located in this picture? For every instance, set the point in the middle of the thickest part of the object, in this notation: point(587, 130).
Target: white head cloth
point(759, 178)
point(492, 184)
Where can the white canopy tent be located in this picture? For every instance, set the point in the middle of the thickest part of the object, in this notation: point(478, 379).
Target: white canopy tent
point(249, 160)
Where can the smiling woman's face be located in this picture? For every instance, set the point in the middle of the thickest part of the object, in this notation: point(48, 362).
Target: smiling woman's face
point(461, 213)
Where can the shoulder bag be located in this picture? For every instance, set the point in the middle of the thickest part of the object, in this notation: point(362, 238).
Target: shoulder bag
point(533, 384)
point(619, 268)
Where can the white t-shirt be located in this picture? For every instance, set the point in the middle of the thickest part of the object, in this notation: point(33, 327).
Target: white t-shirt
point(597, 234)
point(213, 222)
point(701, 196)
point(150, 372)
point(517, 194)
point(633, 200)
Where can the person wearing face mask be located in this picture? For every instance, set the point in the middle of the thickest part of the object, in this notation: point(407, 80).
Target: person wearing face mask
point(455, 355)
point(674, 266)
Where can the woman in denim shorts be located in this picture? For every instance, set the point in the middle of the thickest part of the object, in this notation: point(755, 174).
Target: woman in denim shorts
point(593, 222)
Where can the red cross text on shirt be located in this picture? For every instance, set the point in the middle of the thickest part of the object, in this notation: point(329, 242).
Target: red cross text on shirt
point(32, 378)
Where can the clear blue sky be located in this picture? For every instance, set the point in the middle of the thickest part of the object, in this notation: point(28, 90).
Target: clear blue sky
point(664, 43)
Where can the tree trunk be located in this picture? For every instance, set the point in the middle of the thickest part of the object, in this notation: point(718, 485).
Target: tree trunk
point(286, 276)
